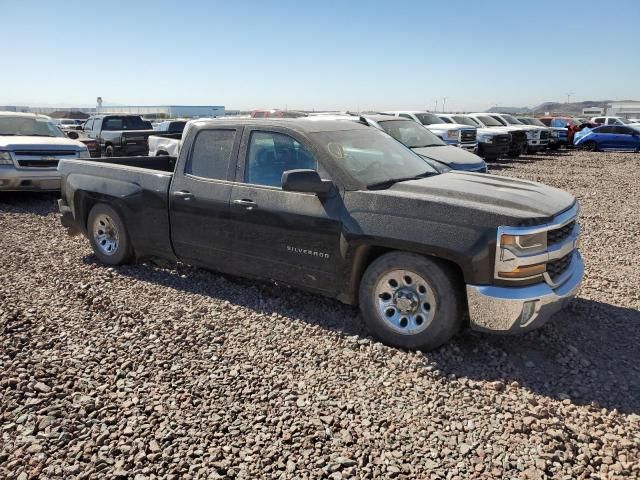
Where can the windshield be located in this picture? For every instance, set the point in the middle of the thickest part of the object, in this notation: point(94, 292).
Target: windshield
point(510, 120)
point(29, 126)
point(125, 123)
point(465, 121)
point(410, 134)
point(532, 121)
point(372, 157)
point(490, 121)
point(427, 118)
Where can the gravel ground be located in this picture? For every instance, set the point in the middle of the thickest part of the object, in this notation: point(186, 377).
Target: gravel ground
point(151, 371)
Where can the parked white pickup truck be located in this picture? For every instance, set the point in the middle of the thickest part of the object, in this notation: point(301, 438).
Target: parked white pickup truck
point(462, 136)
point(30, 148)
point(492, 144)
point(537, 137)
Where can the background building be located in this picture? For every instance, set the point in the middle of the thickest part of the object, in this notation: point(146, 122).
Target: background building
point(165, 111)
point(630, 109)
point(592, 111)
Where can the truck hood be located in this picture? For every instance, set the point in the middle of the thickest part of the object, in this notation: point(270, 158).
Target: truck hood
point(454, 157)
point(472, 200)
point(40, 143)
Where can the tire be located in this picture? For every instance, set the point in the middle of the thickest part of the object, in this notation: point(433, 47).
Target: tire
point(589, 146)
point(108, 235)
point(513, 154)
point(427, 310)
point(108, 151)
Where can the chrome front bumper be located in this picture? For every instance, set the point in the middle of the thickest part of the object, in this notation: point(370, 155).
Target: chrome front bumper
point(519, 309)
point(12, 179)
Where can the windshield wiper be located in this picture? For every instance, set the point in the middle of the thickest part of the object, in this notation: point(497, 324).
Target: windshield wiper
point(393, 181)
point(7, 134)
point(428, 145)
point(38, 135)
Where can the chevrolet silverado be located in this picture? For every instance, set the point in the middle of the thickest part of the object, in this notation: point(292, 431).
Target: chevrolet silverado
point(343, 210)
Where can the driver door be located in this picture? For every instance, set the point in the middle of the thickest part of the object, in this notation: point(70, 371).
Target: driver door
point(281, 235)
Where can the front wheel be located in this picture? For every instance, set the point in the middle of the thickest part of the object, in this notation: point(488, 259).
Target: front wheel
point(411, 301)
point(108, 236)
point(109, 151)
point(589, 146)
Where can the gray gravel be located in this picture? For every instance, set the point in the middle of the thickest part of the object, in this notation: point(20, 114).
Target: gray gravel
point(152, 371)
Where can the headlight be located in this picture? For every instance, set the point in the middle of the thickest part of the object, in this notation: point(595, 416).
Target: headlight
point(84, 153)
point(513, 247)
point(525, 244)
point(485, 139)
point(452, 134)
point(5, 158)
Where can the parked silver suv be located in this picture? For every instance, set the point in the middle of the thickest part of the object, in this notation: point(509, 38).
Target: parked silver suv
point(30, 147)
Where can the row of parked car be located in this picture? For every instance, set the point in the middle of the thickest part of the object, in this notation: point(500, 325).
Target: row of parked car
point(445, 141)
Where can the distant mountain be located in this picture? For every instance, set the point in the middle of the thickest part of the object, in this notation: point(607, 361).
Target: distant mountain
point(573, 108)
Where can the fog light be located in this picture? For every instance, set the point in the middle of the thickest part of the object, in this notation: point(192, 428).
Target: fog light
point(528, 310)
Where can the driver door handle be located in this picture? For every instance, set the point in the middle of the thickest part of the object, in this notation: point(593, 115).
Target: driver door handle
point(184, 195)
point(245, 203)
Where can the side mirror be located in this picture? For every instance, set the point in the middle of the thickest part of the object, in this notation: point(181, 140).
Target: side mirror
point(306, 181)
point(73, 135)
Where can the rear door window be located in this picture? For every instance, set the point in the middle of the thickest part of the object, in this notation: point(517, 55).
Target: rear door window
point(211, 154)
point(606, 129)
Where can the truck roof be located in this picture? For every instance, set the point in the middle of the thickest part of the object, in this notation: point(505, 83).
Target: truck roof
point(24, 114)
point(301, 124)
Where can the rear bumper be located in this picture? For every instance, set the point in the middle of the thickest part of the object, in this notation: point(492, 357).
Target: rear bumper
point(520, 309)
point(13, 179)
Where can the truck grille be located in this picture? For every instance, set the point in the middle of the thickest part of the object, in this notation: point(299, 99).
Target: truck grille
point(560, 234)
point(557, 267)
point(467, 136)
point(544, 135)
point(42, 158)
point(502, 139)
point(519, 136)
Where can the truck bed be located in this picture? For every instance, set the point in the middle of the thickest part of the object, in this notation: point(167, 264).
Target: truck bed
point(137, 186)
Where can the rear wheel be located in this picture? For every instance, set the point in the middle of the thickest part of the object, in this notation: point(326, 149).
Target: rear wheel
point(411, 301)
point(109, 151)
point(108, 236)
point(589, 146)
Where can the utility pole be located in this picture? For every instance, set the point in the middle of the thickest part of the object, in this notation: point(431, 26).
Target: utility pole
point(444, 103)
point(436, 109)
point(569, 97)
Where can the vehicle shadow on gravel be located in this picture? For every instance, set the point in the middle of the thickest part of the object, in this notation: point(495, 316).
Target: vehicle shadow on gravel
point(37, 203)
point(587, 353)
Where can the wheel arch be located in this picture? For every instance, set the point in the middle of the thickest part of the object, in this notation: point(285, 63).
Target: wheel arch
point(363, 255)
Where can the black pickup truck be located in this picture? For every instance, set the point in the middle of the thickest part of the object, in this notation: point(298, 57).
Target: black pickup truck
point(343, 210)
point(120, 134)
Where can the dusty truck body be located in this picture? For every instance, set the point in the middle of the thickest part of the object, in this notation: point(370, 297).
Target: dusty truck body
point(343, 210)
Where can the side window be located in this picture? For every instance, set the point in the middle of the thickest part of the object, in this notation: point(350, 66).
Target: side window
point(211, 154)
point(546, 121)
point(607, 129)
point(96, 125)
point(615, 121)
point(599, 120)
point(89, 124)
point(446, 120)
point(406, 115)
point(271, 154)
point(622, 130)
point(559, 123)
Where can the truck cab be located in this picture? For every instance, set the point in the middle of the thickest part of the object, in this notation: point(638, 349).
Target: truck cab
point(463, 136)
point(119, 134)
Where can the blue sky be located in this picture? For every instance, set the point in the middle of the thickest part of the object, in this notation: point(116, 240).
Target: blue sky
point(319, 54)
